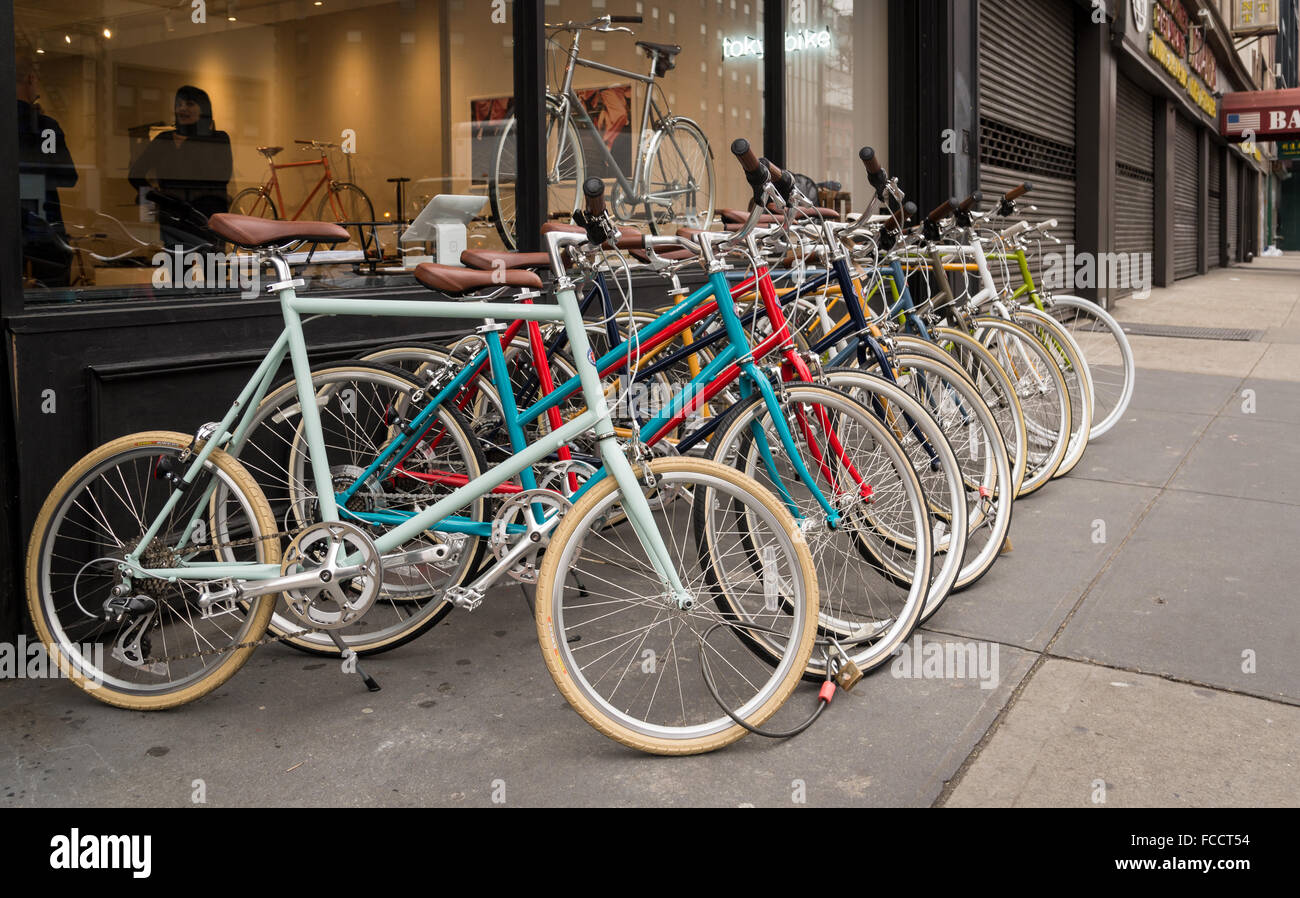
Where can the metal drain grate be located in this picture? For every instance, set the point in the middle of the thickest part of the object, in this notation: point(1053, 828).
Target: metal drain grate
point(1239, 334)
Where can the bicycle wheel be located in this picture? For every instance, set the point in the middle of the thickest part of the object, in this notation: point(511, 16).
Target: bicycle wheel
point(627, 660)
point(565, 172)
point(874, 568)
point(161, 652)
point(348, 203)
point(956, 407)
point(1069, 358)
point(996, 389)
point(1043, 395)
point(678, 181)
point(1108, 353)
point(362, 408)
point(254, 201)
point(936, 465)
point(434, 366)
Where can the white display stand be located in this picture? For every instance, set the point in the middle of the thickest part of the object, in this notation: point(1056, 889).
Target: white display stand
point(443, 223)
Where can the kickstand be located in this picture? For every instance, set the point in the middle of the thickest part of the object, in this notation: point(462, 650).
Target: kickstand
point(348, 654)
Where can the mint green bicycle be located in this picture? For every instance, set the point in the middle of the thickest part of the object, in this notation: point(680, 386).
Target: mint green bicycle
point(156, 563)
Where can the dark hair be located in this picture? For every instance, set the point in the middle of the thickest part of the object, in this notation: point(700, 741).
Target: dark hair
point(204, 125)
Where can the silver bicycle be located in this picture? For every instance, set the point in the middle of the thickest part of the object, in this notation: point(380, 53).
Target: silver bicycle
point(671, 184)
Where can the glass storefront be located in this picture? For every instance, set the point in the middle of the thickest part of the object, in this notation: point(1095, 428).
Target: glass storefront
point(719, 92)
point(836, 91)
point(138, 121)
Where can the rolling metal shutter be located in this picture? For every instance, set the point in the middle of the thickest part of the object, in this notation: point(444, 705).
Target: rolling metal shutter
point(1249, 208)
point(1026, 105)
point(1187, 217)
point(1234, 178)
point(1134, 173)
point(1214, 256)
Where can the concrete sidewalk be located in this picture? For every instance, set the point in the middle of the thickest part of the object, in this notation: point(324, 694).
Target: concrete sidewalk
point(1172, 678)
point(1141, 637)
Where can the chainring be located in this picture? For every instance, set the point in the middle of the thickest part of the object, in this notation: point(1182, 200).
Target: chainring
point(345, 591)
point(517, 511)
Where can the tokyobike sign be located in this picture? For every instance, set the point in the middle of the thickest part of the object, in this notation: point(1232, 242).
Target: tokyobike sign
point(795, 41)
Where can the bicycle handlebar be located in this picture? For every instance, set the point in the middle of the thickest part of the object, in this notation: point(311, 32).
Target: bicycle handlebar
point(876, 175)
point(601, 23)
point(969, 201)
point(940, 212)
point(783, 181)
point(1018, 191)
point(869, 160)
point(594, 190)
point(897, 221)
point(1016, 229)
point(744, 153)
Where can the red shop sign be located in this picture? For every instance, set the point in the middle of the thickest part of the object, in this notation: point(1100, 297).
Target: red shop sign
point(1260, 114)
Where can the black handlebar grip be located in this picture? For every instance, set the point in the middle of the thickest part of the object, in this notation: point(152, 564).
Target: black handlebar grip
point(626, 20)
point(1018, 191)
point(940, 212)
point(969, 201)
point(594, 190)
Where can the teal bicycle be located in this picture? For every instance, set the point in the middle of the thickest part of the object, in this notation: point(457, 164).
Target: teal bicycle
point(156, 563)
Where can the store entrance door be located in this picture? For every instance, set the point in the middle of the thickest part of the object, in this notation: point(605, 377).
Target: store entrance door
point(1288, 215)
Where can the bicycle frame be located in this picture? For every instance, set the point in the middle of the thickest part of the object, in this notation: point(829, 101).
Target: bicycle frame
point(595, 418)
point(651, 116)
point(733, 363)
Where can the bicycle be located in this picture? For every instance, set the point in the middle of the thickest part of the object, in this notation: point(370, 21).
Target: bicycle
point(163, 601)
point(1100, 337)
point(673, 173)
point(341, 201)
point(930, 456)
point(1003, 329)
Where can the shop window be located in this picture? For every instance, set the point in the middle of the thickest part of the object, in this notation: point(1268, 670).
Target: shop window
point(836, 91)
point(696, 86)
point(137, 121)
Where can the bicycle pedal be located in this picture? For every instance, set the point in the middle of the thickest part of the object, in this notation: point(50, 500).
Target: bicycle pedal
point(848, 676)
point(464, 597)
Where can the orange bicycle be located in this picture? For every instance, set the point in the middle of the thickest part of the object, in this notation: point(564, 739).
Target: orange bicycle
point(342, 201)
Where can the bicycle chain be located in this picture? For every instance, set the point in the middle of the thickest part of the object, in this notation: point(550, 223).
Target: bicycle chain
point(250, 541)
point(265, 640)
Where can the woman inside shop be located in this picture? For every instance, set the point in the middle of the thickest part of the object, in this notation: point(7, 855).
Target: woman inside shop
point(185, 173)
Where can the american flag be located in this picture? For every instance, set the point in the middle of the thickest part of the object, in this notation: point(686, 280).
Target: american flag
point(1241, 121)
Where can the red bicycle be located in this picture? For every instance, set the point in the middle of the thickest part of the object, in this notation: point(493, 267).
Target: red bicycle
point(341, 201)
